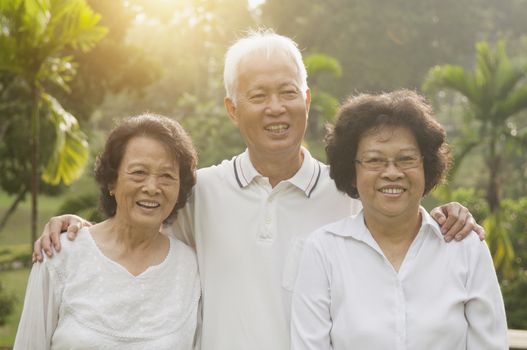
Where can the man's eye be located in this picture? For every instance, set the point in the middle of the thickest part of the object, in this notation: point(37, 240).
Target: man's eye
point(290, 93)
point(257, 97)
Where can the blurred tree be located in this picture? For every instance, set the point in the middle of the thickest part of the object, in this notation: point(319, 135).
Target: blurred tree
point(494, 92)
point(320, 67)
point(514, 285)
point(322, 70)
point(191, 37)
point(386, 44)
point(214, 136)
point(7, 304)
point(34, 35)
point(113, 66)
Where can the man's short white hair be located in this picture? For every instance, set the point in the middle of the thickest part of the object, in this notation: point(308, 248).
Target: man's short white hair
point(264, 41)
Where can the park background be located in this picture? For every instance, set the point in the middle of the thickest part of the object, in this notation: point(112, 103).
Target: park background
point(70, 68)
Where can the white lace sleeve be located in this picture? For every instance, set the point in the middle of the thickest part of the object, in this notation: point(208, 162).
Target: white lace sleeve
point(40, 314)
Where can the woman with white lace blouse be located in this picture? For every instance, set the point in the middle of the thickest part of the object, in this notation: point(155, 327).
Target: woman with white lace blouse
point(123, 285)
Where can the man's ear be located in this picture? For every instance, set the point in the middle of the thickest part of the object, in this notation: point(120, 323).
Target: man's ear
point(230, 107)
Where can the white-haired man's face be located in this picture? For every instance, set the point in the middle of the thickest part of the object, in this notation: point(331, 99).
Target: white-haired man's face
point(270, 110)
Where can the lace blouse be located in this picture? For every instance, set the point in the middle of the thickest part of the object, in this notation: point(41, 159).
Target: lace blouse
point(81, 299)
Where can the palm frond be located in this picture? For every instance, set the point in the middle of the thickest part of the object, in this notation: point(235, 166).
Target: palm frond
point(71, 150)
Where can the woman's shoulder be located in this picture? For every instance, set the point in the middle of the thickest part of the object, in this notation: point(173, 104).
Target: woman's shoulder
point(70, 249)
point(350, 226)
point(181, 247)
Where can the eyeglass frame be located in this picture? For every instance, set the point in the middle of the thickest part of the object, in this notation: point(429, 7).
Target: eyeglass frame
point(387, 161)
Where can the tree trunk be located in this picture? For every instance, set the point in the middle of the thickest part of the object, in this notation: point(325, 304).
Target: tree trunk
point(12, 209)
point(493, 188)
point(35, 131)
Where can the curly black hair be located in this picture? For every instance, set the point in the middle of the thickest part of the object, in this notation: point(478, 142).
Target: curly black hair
point(366, 112)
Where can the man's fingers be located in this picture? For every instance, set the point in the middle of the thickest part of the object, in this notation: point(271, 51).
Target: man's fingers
point(463, 225)
point(50, 237)
point(73, 230)
point(37, 249)
point(46, 245)
point(479, 230)
point(453, 212)
point(55, 227)
point(438, 215)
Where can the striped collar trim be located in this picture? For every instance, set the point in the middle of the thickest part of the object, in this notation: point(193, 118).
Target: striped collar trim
point(306, 178)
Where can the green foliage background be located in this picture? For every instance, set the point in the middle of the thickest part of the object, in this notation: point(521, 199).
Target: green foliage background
point(167, 57)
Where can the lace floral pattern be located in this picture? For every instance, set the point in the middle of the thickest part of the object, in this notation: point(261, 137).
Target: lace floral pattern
point(103, 298)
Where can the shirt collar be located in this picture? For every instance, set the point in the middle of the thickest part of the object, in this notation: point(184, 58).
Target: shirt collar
point(306, 178)
point(361, 233)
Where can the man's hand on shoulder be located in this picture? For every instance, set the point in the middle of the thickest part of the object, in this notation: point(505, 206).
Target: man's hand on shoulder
point(456, 221)
point(68, 223)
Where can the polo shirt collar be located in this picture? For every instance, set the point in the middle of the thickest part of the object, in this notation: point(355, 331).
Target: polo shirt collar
point(361, 233)
point(306, 178)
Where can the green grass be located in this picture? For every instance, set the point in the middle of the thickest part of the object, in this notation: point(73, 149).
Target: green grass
point(14, 252)
point(15, 241)
point(14, 282)
point(18, 229)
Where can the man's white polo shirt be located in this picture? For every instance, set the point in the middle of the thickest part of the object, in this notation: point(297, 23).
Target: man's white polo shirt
point(248, 238)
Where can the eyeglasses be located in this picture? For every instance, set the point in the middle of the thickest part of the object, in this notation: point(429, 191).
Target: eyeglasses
point(380, 163)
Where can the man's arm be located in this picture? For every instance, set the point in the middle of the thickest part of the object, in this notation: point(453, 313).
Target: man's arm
point(69, 223)
point(456, 222)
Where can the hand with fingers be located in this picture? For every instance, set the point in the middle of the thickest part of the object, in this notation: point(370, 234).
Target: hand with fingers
point(456, 221)
point(50, 238)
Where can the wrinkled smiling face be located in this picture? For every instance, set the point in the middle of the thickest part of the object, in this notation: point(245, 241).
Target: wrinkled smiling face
point(390, 192)
point(270, 110)
point(147, 185)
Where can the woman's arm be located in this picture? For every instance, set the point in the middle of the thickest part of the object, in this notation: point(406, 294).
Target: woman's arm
point(310, 316)
point(40, 314)
point(484, 310)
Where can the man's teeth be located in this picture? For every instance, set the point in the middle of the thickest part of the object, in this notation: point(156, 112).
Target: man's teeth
point(277, 128)
point(392, 190)
point(148, 204)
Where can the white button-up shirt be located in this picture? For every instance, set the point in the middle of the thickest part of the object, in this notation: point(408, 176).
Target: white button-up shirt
point(248, 239)
point(349, 296)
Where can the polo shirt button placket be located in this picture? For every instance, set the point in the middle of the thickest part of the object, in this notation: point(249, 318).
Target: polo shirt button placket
point(266, 233)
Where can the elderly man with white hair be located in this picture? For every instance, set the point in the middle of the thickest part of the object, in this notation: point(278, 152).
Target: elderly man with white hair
point(248, 215)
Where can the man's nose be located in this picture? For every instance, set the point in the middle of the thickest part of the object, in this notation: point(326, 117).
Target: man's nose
point(275, 106)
